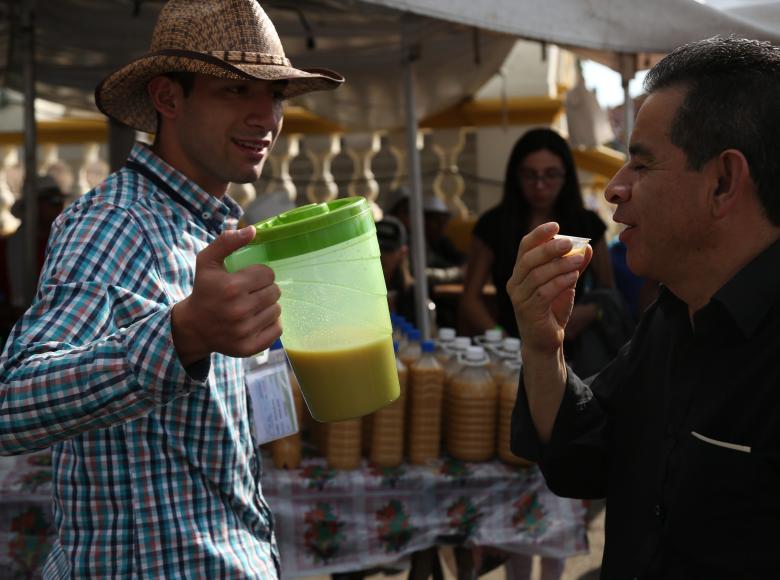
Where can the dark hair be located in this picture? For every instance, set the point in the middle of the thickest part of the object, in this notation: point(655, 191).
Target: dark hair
point(569, 199)
point(185, 78)
point(732, 101)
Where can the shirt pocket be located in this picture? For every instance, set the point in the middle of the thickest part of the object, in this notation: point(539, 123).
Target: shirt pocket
point(722, 444)
point(719, 468)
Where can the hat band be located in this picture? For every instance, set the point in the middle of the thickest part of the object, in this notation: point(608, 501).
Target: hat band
point(241, 57)
point(218, 58)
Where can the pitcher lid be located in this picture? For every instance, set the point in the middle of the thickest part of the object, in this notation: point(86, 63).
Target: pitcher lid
point(313, 227)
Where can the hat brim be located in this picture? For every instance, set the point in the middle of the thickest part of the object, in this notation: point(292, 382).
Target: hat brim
point(123, 96)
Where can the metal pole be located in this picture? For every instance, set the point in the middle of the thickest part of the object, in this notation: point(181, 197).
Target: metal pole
point(30, 187)
point(415, 199)
point(628, 110)
point(628, 68)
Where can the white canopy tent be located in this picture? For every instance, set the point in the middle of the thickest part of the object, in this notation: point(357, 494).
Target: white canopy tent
point(403, 58)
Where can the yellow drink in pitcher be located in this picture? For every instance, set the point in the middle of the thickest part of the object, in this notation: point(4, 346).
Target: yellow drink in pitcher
point(347, 382)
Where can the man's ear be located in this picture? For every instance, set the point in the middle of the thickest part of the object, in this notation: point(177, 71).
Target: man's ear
point(165, 95)
point(733, 174)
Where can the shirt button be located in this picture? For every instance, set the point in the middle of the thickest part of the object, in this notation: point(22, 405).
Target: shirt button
point(657, 510)
point(205, 215)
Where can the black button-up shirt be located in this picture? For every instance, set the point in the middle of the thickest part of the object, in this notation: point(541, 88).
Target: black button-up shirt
point(681, 434)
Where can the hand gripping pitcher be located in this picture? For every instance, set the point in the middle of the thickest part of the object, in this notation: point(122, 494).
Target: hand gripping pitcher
point(336, 322)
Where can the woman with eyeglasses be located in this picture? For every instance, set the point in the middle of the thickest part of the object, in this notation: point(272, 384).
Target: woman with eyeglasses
point(541, 185)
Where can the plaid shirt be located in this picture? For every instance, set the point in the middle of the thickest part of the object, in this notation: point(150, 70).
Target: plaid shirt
point(155, 469)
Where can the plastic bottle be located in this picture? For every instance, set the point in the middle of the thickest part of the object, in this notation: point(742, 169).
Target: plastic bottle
point(343, 444)
point(508, 353)
point(286, 452)
point(387, 426)
point(491, 342)
point(397, 322)
point(471, 408)
point(411, 352)
point(457, 352)
point(507, 397)
point(425, 394)
point(446, 339)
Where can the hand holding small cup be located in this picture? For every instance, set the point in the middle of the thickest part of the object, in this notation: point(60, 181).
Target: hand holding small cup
point(542, 284)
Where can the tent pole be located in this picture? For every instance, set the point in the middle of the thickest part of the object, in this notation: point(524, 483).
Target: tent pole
point(415, 198)
point(627, 63)
point(628, 110)
point(29, 191)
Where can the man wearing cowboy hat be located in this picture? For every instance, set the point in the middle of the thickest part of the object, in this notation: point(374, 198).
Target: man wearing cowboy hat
point(124, 364)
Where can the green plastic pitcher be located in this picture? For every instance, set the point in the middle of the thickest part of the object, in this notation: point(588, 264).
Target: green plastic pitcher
point(336, 322)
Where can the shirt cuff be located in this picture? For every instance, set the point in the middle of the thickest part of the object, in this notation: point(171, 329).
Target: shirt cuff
point(525, 440)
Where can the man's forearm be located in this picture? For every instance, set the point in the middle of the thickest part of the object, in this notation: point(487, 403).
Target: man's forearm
point(544, 376)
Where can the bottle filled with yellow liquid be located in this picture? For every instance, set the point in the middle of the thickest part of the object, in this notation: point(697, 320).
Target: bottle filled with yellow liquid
point(412, 351)
point(446, 338)
point(457, 350)
point(387, 426)
point(507, 397)
point(343, 444)
point(507, 354)
point(425, 394)
point(471, 408)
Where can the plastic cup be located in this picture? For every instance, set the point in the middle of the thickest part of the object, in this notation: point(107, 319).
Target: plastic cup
point(337, 331)
point(578, 245)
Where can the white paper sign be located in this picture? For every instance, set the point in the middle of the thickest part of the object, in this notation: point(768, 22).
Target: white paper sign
point(273, 407)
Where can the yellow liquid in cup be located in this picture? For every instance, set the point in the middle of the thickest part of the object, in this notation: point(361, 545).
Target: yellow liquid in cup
point(578, 245)
point(346, 383)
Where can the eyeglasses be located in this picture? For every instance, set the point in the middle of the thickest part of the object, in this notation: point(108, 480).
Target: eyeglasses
point(550, 177)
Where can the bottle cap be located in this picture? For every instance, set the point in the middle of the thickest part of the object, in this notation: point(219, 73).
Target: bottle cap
point(461, 343)
point(446, 334)
point(475, 354)
point(514, 364)
point(428, 346)
point(511, 345)
point(493, 335)
point(413, 335)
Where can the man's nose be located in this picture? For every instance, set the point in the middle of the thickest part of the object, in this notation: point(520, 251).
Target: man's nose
point(618, 190)
point(266, 112)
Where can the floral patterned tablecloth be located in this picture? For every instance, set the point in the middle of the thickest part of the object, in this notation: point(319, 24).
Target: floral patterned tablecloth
point(26, 529)
point(338, 521)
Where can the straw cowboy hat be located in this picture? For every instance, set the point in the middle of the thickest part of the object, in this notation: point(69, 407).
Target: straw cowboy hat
point(231, 39)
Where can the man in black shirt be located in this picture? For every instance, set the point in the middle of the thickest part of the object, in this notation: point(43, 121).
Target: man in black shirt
point(681, 432)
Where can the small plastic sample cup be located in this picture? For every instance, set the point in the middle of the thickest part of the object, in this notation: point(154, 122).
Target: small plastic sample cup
point(577, 244)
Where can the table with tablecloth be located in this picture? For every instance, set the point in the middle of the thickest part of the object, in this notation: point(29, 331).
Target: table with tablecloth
point(26, 529)
point(337, 521)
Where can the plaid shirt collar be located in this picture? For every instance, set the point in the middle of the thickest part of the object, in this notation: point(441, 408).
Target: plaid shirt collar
point(218, 214)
